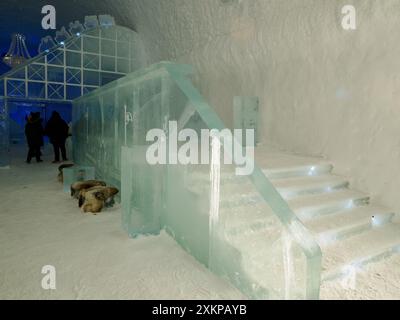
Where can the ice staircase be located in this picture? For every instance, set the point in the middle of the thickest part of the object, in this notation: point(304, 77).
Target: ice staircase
point(349, 229)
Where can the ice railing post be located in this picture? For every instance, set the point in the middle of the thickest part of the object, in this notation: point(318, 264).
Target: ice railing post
point(215, 180)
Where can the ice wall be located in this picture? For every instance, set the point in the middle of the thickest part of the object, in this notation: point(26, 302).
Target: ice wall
point(322, 90)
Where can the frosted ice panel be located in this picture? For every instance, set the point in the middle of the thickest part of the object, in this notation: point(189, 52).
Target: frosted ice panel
point(186, 218)
point(142, 193)
point(77, 173)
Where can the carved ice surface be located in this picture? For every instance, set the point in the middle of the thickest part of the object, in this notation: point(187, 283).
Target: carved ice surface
point(238, 226)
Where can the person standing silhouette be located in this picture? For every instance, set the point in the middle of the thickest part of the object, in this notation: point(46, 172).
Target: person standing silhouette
point(34, 136)
point(57, 131)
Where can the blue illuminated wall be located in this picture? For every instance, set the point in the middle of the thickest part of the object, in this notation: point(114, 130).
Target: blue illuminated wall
point(20, 109)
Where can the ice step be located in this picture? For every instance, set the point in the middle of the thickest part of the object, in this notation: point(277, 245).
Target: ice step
point(288, 188)
point(298, 171)
point(312, 206)
point(329, 228)
point(356, 251)
point(229, 176)
point(294, 187)
point(337, 259)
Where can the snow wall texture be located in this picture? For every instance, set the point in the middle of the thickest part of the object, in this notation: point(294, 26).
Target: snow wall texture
point(323, 90)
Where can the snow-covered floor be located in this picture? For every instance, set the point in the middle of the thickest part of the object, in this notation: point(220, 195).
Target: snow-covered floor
point(375, 281)
point(94, 258)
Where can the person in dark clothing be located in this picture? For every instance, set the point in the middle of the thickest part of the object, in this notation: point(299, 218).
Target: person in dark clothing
point(34, 136)
point(57, 131)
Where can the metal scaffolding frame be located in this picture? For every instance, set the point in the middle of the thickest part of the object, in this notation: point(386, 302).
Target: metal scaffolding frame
point(75, 66)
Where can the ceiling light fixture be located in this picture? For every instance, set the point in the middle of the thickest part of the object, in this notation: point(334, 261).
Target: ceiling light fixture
point(17, 53)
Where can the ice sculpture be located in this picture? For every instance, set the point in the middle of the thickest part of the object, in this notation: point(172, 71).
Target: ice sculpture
point(106, 20)
point(91, 22)
point(62, 36)
point(204, 207)
point(46, 44)
point(77, 173)
point(76, 28)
